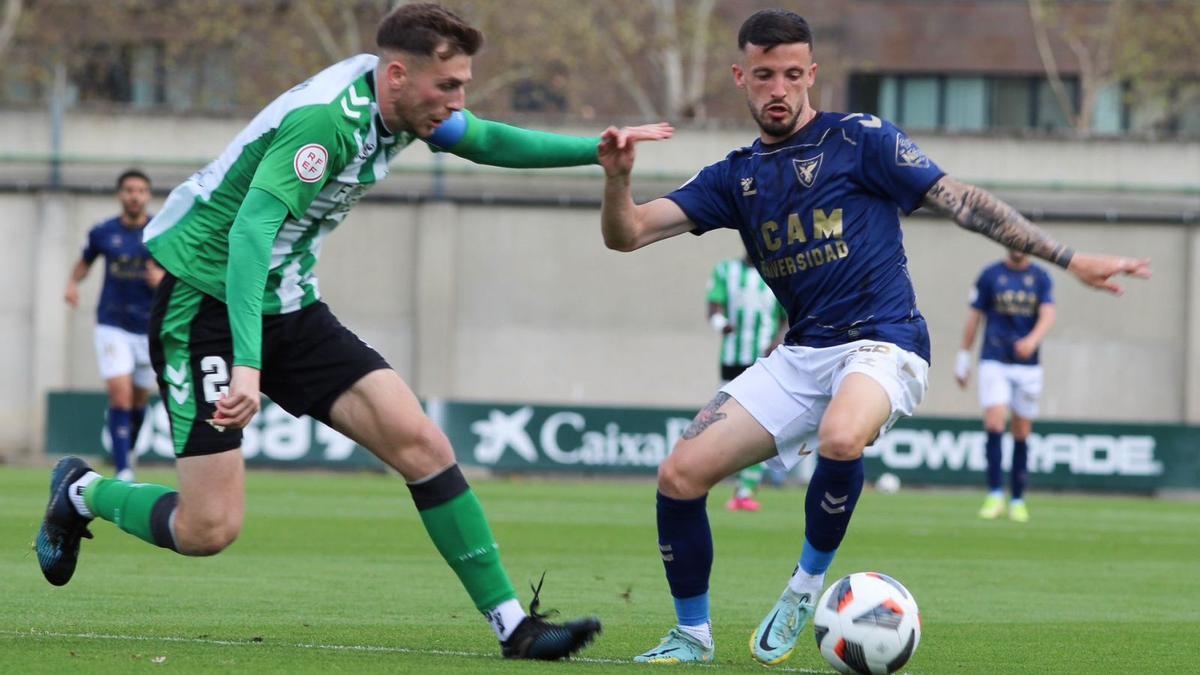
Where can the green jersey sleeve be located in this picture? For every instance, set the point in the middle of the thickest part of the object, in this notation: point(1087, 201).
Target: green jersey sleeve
point(302, 156)
point(250, 239)
point(717, 288)
point(495, 144)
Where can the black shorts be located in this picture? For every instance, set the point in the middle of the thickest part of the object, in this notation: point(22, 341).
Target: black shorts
point(309, 359)
point(730, 372)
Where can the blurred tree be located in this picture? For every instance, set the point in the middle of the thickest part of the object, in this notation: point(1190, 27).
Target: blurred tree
point(8, 23)
point(1150, 48)
point(1091, 35)
point(1159, 59)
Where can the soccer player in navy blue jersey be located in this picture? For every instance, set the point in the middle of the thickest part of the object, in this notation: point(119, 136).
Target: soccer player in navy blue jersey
point(817, 201)
point(123, 313)
point(1016, 298)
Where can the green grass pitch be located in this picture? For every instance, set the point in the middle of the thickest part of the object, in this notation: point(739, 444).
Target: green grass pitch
point(334, 573)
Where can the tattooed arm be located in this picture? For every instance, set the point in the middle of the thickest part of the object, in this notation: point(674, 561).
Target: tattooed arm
point(979, 211)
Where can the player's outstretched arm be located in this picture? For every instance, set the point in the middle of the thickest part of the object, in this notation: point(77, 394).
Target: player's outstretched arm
point(627, 226)
point(496, 144)
point(977, 210)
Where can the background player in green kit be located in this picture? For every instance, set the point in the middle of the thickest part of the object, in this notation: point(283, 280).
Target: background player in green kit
point(239, 312)
point(743, 309)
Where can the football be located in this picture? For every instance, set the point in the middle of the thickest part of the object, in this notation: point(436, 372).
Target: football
point(888, 483)
point(867, 623)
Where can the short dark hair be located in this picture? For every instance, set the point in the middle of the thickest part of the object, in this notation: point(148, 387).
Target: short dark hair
point(427, 29)
point(771, 27)
point(131, 173)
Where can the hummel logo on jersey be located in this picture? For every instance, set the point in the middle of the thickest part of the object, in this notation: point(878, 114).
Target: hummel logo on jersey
point(830, 502)
point(806, 169)
point(177, 383)
point(500, 432)
point(748, 187)
point(668, 553)
point(353, 100)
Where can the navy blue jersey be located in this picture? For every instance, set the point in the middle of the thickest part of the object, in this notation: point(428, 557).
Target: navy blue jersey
point(819, 214)
point(1009, 300)
point(126, 297)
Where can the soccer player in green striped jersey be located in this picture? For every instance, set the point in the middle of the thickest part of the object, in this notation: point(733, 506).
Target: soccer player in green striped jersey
point(239, 311)
point(743, 309)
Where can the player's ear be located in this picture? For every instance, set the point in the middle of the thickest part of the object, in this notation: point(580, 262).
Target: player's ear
point(739, 76)
point(396, 73)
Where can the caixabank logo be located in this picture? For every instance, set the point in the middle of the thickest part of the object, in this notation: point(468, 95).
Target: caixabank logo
point(576, 438)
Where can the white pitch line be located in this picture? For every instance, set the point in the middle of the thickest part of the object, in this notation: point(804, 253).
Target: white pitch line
point(304, 645)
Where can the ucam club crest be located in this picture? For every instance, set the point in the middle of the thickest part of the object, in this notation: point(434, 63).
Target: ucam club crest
point(908, 154)
point(807, 169)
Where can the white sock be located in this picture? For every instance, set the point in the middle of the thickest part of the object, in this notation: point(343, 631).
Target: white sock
point(703, 633)
point(1018, 502)
point(743, 493)
point(802, 582)
point(505, 618)
point(75, 492)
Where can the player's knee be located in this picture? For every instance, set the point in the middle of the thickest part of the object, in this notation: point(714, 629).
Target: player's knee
point(841, 444)
point(209, 536)
point(675, 480)
point(425, 438)
point(993, 426)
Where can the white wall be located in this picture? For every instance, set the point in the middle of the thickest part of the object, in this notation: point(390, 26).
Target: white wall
point(525, 303)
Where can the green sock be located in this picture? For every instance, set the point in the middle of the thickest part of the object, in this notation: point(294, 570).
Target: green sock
point(141, 509)
point(749, 480)
point(456, 524)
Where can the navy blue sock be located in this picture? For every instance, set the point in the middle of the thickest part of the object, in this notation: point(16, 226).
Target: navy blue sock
point(119, 432)
point(995, 472)
point(685, 541)
point(136, 417)
point(832, 493)
point(1020, 461)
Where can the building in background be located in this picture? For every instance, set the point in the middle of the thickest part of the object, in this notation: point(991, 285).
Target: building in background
point(963, 66)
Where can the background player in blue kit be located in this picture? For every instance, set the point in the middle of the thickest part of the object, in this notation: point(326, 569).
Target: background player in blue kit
point(816, 200)
point(1016, 297)
point(123, 313)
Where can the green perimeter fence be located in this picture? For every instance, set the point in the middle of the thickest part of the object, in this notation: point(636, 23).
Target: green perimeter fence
point(516, 438)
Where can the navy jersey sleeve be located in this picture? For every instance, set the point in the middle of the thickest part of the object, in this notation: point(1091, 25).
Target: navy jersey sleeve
point(1046, 292)
point(981, 297)
point(892, 165)
point(705, 199)
point(92, 249)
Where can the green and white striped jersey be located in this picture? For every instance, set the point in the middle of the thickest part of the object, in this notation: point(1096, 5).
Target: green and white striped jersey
point(317, 148)
point(751, 308)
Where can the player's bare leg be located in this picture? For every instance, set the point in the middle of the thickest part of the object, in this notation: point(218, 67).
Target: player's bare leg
point(212, 502)
point(1021, 428)
point(381, 413)
point(995, 418)
point(722, 440)
point(856, 413)
point(203, 517)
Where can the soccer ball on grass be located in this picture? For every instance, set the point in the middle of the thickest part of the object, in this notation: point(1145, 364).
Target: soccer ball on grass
point(867, 623)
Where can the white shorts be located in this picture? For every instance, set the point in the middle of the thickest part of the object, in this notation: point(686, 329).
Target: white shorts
point(788, 391)
point(120, 352)
point(1014, 386)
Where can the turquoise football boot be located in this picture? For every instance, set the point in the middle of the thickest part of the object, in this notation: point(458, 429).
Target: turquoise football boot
point(775, 639)
point(678, 647)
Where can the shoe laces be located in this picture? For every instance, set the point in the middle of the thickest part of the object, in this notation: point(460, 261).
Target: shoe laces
point(536, 602)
